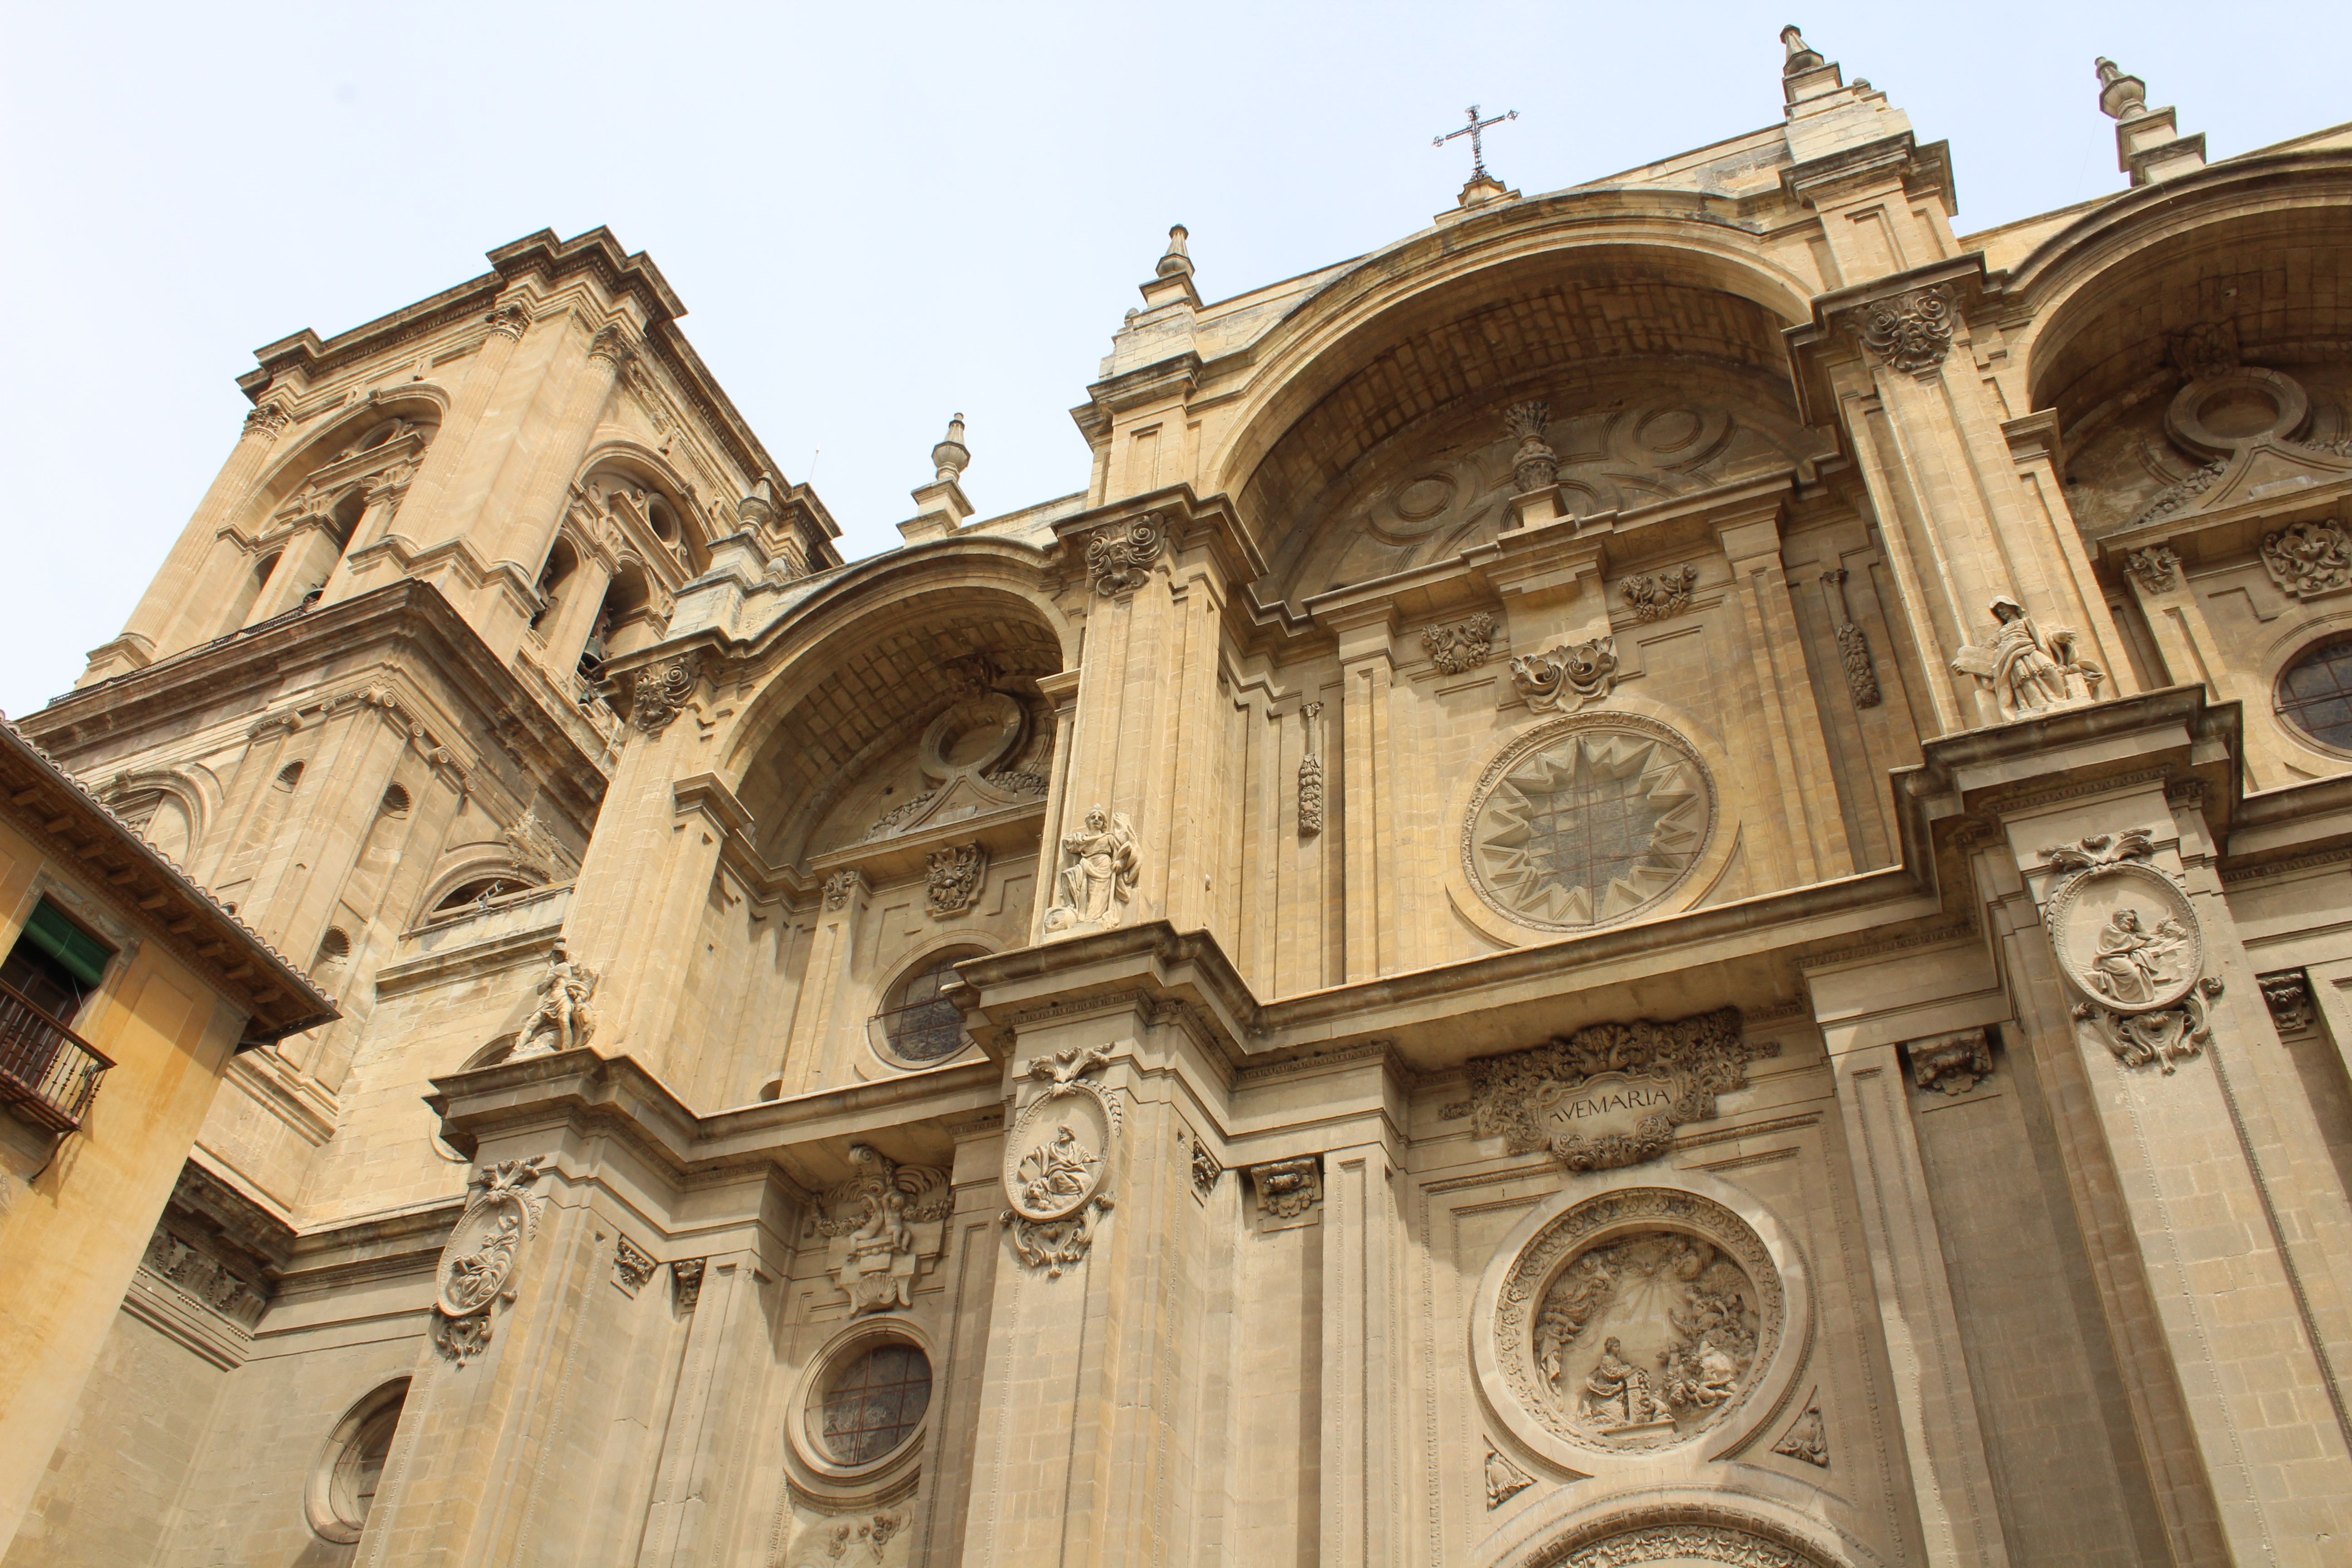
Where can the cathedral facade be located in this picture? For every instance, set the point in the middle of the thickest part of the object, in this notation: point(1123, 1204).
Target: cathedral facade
point(1664, 876)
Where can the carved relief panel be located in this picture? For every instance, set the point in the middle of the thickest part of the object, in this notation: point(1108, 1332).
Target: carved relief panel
point(884, 1226)
point(1060, 1155)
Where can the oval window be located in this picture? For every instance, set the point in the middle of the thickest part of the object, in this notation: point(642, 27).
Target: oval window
point(873, 1403)
point(918, 1024)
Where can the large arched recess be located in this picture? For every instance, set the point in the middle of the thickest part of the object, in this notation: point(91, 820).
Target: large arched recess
point(2106, 294)
point(1544, 302)
point(861, 665)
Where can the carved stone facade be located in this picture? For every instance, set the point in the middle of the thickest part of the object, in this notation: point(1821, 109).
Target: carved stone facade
point(1531, 749)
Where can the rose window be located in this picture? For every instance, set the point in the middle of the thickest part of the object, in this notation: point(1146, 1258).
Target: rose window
point(1581, 827)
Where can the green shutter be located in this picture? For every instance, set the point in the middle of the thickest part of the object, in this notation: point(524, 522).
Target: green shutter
point(83, 955)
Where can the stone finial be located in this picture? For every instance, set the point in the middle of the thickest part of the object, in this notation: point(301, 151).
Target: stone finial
point(760, 508)
point(2148, 144)
point(1802, 57)
point(2120, 97)
point(1176, 260)
point(1535, 465)
point(951, 457)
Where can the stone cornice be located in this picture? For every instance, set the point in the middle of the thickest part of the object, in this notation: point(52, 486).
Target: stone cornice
point(141, 884)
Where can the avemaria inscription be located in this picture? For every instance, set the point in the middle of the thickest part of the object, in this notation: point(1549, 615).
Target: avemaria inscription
point(1613, 1094)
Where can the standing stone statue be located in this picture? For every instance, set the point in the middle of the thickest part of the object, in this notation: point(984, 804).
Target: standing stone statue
point(1101, 876)
point(562, 1017)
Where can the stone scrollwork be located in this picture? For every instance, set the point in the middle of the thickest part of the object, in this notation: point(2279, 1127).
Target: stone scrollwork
point(1911, 332)
point(1461, 647)
point(2128, 941)
point(1288, 1188)
point(2309, 558)
point(2157, 569)
point(1120, 555)
point(1611, 1095)
point(883, 1225)
point(1654, 595)
point(1637, 1319)
point(1505, 1481)
point(1567, 677)
point(1099, 876)
point(662, 691)
point(632, 1265)
point(1953, 1063)
point(478, 1262)
point(1058, 1161)
point(952, 878)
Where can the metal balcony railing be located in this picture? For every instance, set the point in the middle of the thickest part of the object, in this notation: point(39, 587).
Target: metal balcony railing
point(48, 1074)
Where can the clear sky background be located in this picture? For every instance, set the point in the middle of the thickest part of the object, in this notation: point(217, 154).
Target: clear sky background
point(877, 215)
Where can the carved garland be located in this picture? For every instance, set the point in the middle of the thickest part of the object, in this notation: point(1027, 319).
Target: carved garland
point(1853, 645)
point(1310, 772)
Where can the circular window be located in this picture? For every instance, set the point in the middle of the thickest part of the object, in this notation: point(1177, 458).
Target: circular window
point(917, 1023)
point(872, 1404)
point(2315, 695)
point(351, 1467)
point(1580, 824)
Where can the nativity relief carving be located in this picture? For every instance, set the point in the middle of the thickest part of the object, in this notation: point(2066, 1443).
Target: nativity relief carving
point(1638, 1319)
point(2128, 941)
point(883, 1228)
point(1059, 1158)
point(1097, 877)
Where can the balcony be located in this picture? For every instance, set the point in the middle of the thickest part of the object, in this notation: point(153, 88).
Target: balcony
point(48, 1074)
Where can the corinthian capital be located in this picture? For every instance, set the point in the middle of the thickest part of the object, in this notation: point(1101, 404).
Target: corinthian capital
point(266, 421)
point(612, 345)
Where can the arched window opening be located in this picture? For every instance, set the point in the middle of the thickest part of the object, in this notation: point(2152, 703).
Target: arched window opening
point(917, 1024)
point(249, 591)
point(345, 1481)
point(396, 801)
point(2315, 693)
point(334, 953)
point(623, 624)
point(562, 563)
point(289, 776)
point(479, 891)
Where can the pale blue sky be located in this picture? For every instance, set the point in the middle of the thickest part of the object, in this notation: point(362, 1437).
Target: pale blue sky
point(877, 215)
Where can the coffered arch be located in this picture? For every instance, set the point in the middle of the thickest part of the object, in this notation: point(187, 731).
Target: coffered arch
point(1411, 352)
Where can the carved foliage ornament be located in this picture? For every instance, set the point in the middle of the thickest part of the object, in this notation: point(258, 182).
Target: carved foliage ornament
point(1638, 1318)
point(842, 885)
point(2309, 559)
point(1505, 1481)
point(1954, 1063)
point(1806, 1439)
point(266, 421)
point(2129, 944)
point(2156, 568)
point(1568, 677)
point(1059, 1158)
point(1310, 771)
point(1121, 556)
point(1679, 1543)
point(1657, 595)
point(478, 1262)
point(1912, 331)
point(2288, 996)
point(632, 1265)
point(883, 1225)
point(663, 690)
point(1613, 1094)
point(1288, 1188)
point(1535, 464)
point(1463, 647)
point(1853, 645)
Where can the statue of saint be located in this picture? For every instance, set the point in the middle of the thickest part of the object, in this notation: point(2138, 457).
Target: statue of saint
point(1101, 875)
point(2026, 669)
point(562, 1012)
point(2133, 962)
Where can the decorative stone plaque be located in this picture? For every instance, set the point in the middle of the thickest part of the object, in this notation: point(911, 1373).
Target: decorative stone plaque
point(1613, 1094)
point(477, 1265)
point(1057, 1161)
point(2128, 942)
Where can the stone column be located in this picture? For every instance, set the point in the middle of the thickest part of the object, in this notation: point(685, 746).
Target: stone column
point(820, 1011)
point(2219, 1177)
point(696, 1450)
point(1061, 689)
point(1365, 1361)
point(2192, 654)
point(1808, 791)
point(1367, 671)
point(294, 893)
point(172, 614)
point(465, 443)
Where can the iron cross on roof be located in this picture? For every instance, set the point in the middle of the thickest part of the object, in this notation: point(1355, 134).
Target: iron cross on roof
point(1477, 140)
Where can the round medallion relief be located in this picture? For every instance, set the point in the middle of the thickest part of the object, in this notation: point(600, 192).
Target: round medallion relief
point(2127, 938)
point(1635, 1320)
point(1587, 821)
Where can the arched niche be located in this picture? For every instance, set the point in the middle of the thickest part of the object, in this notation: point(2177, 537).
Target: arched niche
point(1385, 446)
point(2170, 351)
point(649, 507)
point(349, 448)
point(872, 723)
